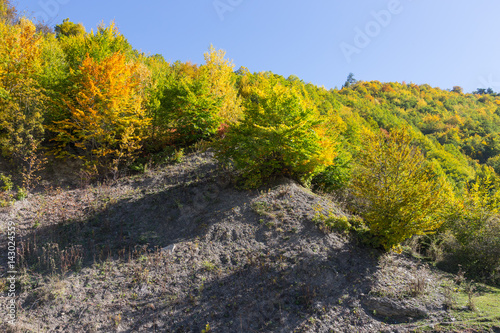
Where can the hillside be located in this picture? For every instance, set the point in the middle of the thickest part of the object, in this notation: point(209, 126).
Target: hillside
point(139, 194)
point(179, 249)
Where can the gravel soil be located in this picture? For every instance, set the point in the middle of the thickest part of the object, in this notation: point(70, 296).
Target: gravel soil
point(180, 249)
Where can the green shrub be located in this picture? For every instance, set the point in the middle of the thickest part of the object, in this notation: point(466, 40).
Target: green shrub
point(357, 223)
point(333, 222)
point(186, 111)
point(335, 176)
point(21, 193)
point(5, 183)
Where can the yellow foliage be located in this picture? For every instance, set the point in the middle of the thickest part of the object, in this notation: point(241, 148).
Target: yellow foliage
point(430, 118)
point(107, 115)
point(402, 194)
point(21, 98)
point(221, 84)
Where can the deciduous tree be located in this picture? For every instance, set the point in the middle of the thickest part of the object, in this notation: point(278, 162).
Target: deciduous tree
point(277, 136)
point(221, 83)
point(21, 97)
point(401, 194)
point(107, 118)
point(68, 28)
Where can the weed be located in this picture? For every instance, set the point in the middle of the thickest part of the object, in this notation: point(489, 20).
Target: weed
point(6, 199)
point(306, 296)
point(332, 222)
point(460, 277)
point(117, 319)
point(50, 257)
point(201, 146)
point(209, 266)
point(21, 193)
point(449, 297)
point(178, 156)
point(207, 329)
point(52, 290)
point(261, 207)
point(141, 168)
point(418, 284)
point(33, 164)
point(470, 289)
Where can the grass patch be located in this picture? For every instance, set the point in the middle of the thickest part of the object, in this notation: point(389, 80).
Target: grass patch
point(485, 314)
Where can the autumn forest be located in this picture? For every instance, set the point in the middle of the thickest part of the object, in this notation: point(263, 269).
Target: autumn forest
point(411, 161)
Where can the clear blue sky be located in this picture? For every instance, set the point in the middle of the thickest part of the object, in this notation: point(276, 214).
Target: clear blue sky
point(440, 42)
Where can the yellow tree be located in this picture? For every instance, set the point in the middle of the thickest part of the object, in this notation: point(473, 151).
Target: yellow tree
point(221, 81)
point(21, 97)
point(107, 115)
point(402, 194)
point(8, 12)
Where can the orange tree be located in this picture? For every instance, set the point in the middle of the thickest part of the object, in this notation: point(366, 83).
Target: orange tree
point(106, 114)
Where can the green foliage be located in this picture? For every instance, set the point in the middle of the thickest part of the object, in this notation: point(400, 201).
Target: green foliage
point(475, 225)
point(68, 28)
point(336, 176)
point(101, 100)
point(350, 81)
point(192, 112)
point(276, 137)
point(333, 222)
point(400, 194)
point(184, 110)
point(6, 183)
point(54, 78)
point(22, 193)
point(99, 45)
point(341, 223)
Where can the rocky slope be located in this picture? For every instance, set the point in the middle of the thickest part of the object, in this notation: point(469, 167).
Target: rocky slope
point(179, 249)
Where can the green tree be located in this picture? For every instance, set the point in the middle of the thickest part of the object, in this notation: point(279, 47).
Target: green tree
point(98, 44)
point(68, 28)
point(277, 136)
point(400, 193)
point(188, 111)
point(350, 81)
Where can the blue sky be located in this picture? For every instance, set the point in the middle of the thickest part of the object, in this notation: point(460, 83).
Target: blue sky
point(443, 43)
